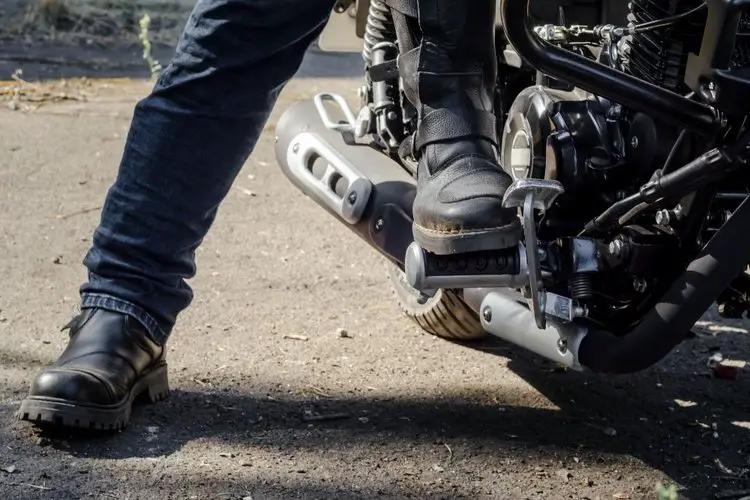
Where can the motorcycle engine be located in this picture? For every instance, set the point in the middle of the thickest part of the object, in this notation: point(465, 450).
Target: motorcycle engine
point(596, 148)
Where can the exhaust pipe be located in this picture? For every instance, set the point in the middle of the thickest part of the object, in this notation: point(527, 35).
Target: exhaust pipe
point(373, 196)
point(362, 187)
point(661, 330)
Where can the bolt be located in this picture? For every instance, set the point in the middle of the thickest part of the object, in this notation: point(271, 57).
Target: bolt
point(295, 148)
point(634, 142)
point(616, 247)
point(487, 314)
point(562, 345)
point(379, 224)
point(640, 285)
point(663, 217)
point(352, 198)
point(392, 115)
point(580, 312)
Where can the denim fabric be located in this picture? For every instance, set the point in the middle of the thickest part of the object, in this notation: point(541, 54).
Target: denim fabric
point(187, 142)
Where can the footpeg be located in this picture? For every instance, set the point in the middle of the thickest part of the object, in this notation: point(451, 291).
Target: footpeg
point(350, 120)
point(500, 268)
point(530, 195)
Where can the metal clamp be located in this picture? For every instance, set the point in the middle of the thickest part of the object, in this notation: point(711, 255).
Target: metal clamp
point(325, 117)
point(531, 194)
point(301, 155)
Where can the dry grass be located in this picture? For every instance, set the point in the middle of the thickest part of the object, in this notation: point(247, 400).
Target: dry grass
point(96, 21)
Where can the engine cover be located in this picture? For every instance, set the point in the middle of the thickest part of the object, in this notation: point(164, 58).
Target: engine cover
point(567, 135)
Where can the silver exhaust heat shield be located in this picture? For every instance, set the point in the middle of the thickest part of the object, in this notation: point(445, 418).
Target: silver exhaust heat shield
point(504, 317)
point(359, 185)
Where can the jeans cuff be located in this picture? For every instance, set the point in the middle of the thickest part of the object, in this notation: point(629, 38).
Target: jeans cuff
point(109, 303)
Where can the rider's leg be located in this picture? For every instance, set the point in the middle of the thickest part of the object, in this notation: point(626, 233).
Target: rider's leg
point(187, 142)
point(450, 77)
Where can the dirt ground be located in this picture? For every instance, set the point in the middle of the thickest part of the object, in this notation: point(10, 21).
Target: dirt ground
point(417, 417)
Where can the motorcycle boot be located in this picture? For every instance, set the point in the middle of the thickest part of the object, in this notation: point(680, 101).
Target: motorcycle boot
point(448, 67)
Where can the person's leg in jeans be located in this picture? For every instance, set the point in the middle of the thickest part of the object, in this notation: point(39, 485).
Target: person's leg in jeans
point(188, 140)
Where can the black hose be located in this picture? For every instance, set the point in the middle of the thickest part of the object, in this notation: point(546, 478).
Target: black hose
point(720, 262)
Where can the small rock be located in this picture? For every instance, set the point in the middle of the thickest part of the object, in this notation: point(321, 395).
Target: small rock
point(564, 474)
point(226, 455)
point(609, 431)
point(621, 496)
point(58, 260)
point(438, 468)
point(342, 334)
point(248, 497)
point(364, 420)
point(246, 464)
point(576, 459)
point(9, 469)
point(42, 441)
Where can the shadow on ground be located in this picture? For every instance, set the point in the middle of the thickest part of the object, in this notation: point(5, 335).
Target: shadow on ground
point(682, 422)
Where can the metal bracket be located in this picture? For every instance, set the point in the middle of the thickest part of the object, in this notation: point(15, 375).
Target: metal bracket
point(530, 195)
point(325, 117)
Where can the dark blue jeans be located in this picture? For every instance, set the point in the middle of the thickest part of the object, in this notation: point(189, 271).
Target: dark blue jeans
point(188, 140)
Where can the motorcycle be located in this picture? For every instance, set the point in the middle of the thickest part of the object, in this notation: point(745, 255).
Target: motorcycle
point(624, 127)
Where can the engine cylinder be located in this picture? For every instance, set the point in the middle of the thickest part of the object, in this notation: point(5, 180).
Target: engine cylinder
point(660, 56)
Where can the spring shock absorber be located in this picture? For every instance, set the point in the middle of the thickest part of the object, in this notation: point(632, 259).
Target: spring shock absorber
point(382, 92)
point(379, 28)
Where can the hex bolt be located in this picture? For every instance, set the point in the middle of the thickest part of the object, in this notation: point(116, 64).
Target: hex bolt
point(487, 314)
point(379, 224)
point(616, 247)
point(634, 142)
point(562, 346)
point(352, 198)
point(640, 285)
point(295, 148)
point(663, 218)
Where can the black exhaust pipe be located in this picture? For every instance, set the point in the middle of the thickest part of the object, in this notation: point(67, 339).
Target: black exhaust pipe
point(362, 187)
point(662, 329)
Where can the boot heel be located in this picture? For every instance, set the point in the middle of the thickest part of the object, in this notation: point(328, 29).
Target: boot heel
point(157, 385)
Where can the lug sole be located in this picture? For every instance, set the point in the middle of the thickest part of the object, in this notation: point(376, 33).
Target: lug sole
point(152, 386)
point(450, 243)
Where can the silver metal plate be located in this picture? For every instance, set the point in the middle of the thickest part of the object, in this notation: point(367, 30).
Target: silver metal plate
point(544, 192)
point(303, 151)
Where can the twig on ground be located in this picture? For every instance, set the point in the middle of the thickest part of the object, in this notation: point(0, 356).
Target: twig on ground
point(326, 418)
point(79, 212)
point(450, 452)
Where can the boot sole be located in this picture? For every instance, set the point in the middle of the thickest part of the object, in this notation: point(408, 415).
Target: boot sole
point(457, 242)
point(154, 385)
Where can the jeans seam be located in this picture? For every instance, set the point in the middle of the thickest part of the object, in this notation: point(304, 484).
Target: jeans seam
point(114, 304)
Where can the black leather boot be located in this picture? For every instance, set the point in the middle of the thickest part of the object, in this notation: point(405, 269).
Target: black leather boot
point(110, 360)
point(450, 77)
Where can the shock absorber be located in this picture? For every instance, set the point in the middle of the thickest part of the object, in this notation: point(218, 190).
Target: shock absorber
point(379, 28)
point(382, 92)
